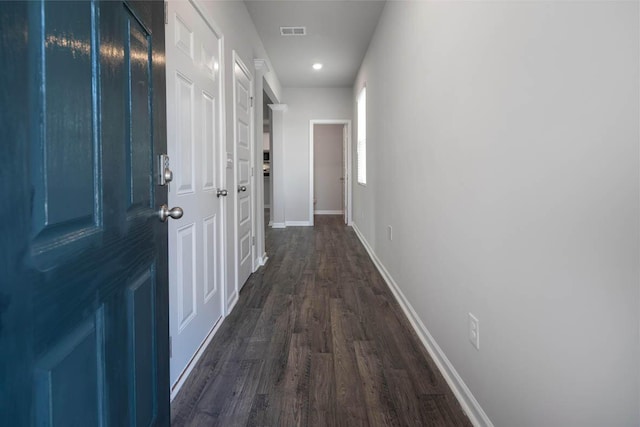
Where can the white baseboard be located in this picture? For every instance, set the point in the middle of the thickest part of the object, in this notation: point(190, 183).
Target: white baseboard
point(469, 404)
point(324, 212)
point(175, 388)
point(231, 302)
point(299, 224)
point(263, 259)
point(278, 225)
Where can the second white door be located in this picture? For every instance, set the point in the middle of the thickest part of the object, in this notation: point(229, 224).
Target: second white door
point(243, 97)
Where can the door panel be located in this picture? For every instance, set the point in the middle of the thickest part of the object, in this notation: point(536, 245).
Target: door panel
point(65, 214)
point(184, 125)
point(142, 349)
point(244, 223)
point(211, 239)
point(85, 287)
point(186, 250)
point(193, 121)
point(209, 157)
point(59, 391)
point(137, 49)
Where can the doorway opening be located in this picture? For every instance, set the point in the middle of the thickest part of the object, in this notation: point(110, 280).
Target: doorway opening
point(330, 168)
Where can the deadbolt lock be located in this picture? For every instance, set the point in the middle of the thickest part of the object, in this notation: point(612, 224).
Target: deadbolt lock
point(166, 176)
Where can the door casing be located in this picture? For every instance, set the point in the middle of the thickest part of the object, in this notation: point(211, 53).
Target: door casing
point(346, 148)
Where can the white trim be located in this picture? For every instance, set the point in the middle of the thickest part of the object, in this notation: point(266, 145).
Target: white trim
point(231, 302)
point(324, 212)
point(278, 164)
point(263, 259)
point(209, 21)
point(260, 84)
point(222, 115)
point(278, 107)
point(261, 65)
point(363, 90)
point(298, 224)
point(175, 388)
point(278, 225)
point(469, 404)
point(347, 161)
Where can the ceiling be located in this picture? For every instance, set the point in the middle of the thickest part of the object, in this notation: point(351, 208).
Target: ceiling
point(338, 34)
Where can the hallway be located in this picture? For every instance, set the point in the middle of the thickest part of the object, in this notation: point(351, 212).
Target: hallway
point(316, 339)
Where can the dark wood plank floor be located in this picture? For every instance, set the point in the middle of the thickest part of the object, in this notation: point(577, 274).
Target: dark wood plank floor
point(316, 339)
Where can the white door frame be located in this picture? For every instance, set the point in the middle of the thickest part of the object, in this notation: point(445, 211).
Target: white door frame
point(252, 199)
point(347, 180)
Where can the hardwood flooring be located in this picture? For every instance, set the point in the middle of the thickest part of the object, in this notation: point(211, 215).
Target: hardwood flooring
point(316, 339)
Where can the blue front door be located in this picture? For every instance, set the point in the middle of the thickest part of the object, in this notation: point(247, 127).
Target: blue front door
point(83, 262)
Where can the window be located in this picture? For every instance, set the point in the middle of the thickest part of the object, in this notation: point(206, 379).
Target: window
point(362, 136)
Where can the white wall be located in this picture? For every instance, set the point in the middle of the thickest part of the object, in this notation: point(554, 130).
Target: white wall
point(305, 104)
point(240, 35)
point(503, 149)
point(327, 167)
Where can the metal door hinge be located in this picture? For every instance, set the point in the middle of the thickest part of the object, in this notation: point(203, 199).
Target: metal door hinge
point(252, 101)
point(170, 347)
point(253, 240)
point(251, 170)
point(166, 12)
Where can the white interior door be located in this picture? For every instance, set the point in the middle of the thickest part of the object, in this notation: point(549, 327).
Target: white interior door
point(243, 171)
point(195, 149)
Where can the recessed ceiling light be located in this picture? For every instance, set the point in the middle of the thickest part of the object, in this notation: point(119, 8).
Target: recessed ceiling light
point(317, 66)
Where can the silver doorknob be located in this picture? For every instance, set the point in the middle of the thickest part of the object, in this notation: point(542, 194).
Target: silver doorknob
point(221, 192)
point(242, 188)
point(165, 212)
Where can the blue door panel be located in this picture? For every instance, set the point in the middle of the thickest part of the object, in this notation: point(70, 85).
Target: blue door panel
point(64, 398)
point(65, 162)
point(142, 384)
point(137, 56)
point(66, 143)
point(83, 258)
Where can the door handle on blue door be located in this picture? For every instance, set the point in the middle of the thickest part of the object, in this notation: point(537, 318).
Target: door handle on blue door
point(165, 212)
point(242, 188)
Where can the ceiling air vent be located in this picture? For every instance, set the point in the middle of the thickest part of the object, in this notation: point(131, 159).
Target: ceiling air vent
point(293, 31)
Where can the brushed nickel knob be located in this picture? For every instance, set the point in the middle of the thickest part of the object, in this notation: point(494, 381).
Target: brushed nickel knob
point(164, 213)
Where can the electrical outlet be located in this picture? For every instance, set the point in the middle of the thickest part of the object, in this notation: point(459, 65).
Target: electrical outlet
point(390, 232)
point(474, 331)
